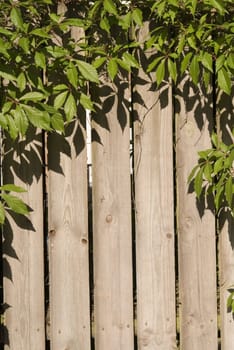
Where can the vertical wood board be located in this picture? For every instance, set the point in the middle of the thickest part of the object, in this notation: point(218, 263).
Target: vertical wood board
point(154, 213)
point(68, 233)
point(196, 224)
point(68, 246)
point(113, 299)
point(23, 256)
point(225, 111)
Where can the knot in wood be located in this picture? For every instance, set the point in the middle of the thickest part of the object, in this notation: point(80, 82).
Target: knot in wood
point(84, 240)
point(109, 218)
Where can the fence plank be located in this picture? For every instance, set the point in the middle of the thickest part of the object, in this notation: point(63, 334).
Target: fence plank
point(23, 257)
point(226, 235)
point(113, 301)
point(68, 239)
point(153, 160)
point(68, 224)
point(196, 225)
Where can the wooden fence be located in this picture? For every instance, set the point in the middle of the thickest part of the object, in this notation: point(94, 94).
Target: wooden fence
point(131, 260)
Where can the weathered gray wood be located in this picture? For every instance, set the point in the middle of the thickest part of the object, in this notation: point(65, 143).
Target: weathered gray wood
point(113, 301)
point(68, 246)
point(226, 234)
point(226, 251)
point(23, 257)
point(196, 228)
point(154, 213)
point(68, 235)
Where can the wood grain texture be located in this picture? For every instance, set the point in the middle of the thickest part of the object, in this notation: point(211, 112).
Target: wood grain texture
point(23, 257)
point(68, 246)
point(196, 225)
point(113, 299)
point(68, 233)
point(225, 111)
point(226, 251)
point(154, 212)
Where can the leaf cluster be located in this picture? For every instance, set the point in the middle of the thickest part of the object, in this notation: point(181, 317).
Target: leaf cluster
point(230, 301)
point(11, 202)
point(44, 71)
point(214, 174)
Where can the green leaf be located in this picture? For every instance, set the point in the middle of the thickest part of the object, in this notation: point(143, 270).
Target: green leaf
point(193, 172)
point(12, 128)
point(57, 122)
point(3, 121)
point(75, 22)
point(40, 60)
point(15, 204)
point(7, 76)
point(21, 82)
point(88, 71)
point(99, 62)
point(33, 96)
point(160, 72)
point(219, 62)
point(105, 24)
point(198, 181)
point(130, 60)
point(206, 75)
point(39, 119)
point(123, 64)
point(16, 18)
point(110, 7)
point(233, 306)
point(185, 62)
point(60, 99)
point(55, 18)
point(7, 107)
point(24, 44)
point(2, 214)
point(218, 5)
point(137, 16)
point(181, 44)
point(41, 33)
point(194, 69)
point(153, 64)
point(194, 6)
point(218, 197)
point(208, 172)
point(60, 87)
point(12, 188)
point(112, 68)
point(125, 21)
point(21, 121)
point(228, 191)
point(172, 69)
point(214, 139)
point(230, 300)
point(70, 108)
point(72, 75)
point(86, 102)
point(230, 60)
point(5, 31)
point(4, 46)
point(218, 166)
point(204, 154)
point(224, 80)
point(207, 61)
point(192, 42)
